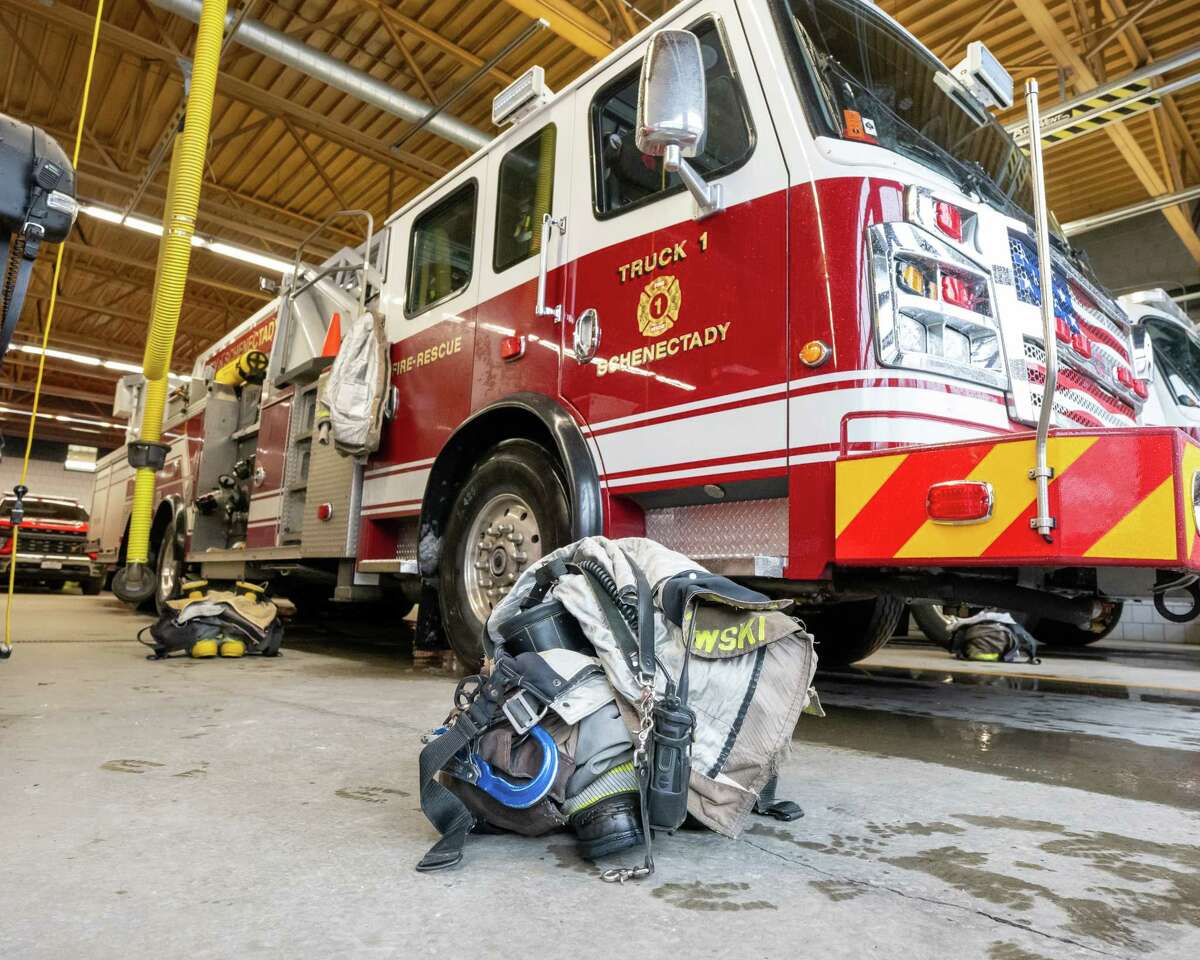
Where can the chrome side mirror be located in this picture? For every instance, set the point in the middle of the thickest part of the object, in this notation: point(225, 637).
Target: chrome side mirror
point(672, 110)
point(1143, 354)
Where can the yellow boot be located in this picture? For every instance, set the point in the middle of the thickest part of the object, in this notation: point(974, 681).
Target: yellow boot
point(233, 648)
point(204, 648)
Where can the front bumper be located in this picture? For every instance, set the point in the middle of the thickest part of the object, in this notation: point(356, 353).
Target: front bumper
point(1120, 497)
point(36, 566)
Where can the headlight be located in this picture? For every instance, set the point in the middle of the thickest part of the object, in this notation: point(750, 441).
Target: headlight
point(956, 347)
point(933, 306)
point(911, 335)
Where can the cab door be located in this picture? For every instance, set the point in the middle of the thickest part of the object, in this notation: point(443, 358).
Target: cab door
point(529, 176)
point(685, 397)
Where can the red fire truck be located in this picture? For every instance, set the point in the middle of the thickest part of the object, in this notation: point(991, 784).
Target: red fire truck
point(799, 340)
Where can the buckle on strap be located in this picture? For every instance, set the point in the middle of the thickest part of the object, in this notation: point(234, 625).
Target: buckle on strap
point(522, 712)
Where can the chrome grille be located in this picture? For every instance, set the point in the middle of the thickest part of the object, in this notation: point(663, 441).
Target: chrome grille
point(51, 544)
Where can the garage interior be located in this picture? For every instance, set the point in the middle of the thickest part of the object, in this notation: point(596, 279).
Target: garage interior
point(1009, 811)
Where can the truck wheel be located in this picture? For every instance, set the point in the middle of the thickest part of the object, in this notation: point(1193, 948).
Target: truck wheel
point(935, 624)
point(169, 569)
point(1057, 633)
point(512, 509)
point(92, 586)
point(852, 631)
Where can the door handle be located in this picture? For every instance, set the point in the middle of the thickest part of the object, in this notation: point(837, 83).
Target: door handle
point(549, 223)
point(586, 338)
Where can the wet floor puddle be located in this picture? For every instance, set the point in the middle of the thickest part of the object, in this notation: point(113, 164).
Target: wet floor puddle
point(1097, 764)
point(1120, 885)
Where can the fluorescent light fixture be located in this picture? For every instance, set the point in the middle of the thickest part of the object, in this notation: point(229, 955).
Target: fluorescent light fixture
point(62, 418)
point(64, 355)
point(80, 466)
point(219, 247)
point(263, 260)
point(89, 361)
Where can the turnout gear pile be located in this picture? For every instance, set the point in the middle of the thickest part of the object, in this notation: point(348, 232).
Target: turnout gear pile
point(993, 637)
point(207, 623)
point(625, 688)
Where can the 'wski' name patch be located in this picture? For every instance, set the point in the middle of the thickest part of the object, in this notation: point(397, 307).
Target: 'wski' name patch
point(720, 632)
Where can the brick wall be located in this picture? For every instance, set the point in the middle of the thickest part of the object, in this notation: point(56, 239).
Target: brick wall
point(46, 476)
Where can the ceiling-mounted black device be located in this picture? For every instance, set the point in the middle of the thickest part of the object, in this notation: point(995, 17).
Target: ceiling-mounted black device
point(37, 205)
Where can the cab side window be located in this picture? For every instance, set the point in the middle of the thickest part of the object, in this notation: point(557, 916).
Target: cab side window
point(441, 250)
point(526, 191)
point(625, 177)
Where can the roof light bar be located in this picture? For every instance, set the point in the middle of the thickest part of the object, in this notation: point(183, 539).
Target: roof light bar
point(521, 97)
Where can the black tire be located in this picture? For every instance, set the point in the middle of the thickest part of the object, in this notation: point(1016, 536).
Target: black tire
point(1056, 633)
point(933, 623)
point(92, 586)
point(169, 561)
point(513, 468)
point(852, 631)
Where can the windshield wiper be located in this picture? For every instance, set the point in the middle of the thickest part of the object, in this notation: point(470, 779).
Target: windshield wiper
point(920, 144)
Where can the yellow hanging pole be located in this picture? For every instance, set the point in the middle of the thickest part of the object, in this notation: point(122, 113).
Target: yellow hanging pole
point(6, 645)
point(134, 583)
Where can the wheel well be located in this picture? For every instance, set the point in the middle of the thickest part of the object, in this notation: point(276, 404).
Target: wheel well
point(162, 518)
point(524, 416)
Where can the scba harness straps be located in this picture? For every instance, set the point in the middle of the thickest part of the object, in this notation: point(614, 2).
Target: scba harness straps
point(519, 691)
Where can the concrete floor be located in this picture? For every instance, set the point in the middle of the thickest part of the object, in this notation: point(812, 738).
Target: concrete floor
point(267, 808)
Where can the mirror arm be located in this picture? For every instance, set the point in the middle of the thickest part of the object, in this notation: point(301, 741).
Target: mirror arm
point(708, 196)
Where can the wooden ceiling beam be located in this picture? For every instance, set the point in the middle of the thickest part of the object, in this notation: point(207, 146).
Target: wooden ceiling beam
point(56, 390)
point(80, 23)
point(413, 67)
point(1046, 27)
point(570, 23)
point(140, 286)
point(106, 438)
point(106, 310)
point(434, 38)
point(101, 253)
point(1138, 52)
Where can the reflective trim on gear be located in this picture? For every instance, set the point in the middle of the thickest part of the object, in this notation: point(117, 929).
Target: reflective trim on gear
point(620, 779)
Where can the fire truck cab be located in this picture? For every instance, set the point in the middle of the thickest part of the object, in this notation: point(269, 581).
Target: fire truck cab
point(766, 292)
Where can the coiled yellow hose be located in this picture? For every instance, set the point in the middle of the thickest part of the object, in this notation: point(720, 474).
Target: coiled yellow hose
point(543, 197)
point(179, 224)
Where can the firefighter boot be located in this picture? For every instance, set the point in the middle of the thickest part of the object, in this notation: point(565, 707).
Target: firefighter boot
point(608, 826)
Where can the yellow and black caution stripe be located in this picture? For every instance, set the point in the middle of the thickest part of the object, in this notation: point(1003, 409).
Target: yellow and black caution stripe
point(1062, 130)
point(1122, 112)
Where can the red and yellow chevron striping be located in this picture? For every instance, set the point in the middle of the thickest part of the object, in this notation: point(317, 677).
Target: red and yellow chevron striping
point(1119, 497)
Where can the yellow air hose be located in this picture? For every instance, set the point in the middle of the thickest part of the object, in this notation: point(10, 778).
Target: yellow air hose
point(6, 646)
point(543, 196)
point(179, 220)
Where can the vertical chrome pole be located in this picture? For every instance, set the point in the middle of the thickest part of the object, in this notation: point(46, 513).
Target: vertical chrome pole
point(1041, 473)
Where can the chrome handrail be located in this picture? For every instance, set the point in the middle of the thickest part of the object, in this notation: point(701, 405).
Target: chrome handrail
point(1042, 472)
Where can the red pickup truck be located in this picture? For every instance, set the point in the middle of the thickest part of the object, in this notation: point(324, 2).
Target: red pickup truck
point(52, 545)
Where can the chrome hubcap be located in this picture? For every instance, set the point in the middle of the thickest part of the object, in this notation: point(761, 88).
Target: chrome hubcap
point(168, 572)
point(503, 540)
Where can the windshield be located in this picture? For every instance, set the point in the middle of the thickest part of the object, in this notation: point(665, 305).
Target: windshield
point(61, 511)
point(907, 100)
point(1178, 359)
